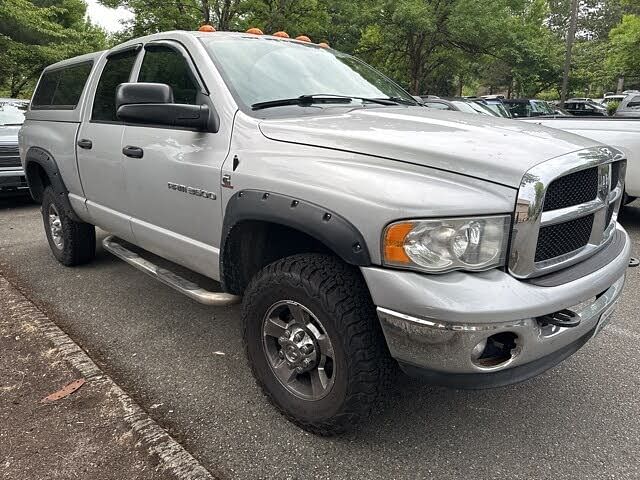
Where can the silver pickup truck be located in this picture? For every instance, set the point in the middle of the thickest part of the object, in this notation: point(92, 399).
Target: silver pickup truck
point(361, 230)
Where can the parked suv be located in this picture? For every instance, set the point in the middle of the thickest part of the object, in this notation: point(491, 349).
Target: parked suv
point(12, 178)
point(361, 230)
point(585, 108)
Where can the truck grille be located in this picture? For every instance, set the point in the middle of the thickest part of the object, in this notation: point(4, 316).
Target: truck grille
point(566, 210)
point(563, 238)
point(9, 156)
point(573, 189)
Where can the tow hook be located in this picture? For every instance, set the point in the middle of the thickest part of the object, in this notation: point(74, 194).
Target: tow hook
point(633, 262)
point(564, 318)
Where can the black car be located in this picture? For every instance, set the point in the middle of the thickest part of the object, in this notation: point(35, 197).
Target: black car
point(585, 108)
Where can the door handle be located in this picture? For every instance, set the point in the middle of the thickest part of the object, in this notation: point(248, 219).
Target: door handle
point(133, 152)
point(84, 143)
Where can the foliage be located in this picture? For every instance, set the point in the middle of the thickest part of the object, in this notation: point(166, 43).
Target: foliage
point(446, 47)
point(612, 107)
point(34, 34)
point(624, 53)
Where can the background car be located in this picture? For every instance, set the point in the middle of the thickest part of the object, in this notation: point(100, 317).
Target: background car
point(457, 104)
point(526, 107)
point(12, 178)
point(496, 105)
point(629, 107)
point(585, 108)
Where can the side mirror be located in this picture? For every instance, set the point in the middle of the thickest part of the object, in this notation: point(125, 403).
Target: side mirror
point(152, 104)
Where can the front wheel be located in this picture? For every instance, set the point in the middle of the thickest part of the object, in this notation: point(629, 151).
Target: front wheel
point(314, 342)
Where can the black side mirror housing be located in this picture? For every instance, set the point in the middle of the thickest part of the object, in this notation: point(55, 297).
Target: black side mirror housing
point(153, 104)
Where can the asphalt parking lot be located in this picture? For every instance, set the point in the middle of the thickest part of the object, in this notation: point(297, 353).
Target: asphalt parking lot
point(184, 364)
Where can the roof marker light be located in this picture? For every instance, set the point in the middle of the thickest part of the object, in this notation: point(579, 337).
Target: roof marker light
point(303, 38)
point(255, 31)
point(281, 34)
point(206, 28)
point(323, 45)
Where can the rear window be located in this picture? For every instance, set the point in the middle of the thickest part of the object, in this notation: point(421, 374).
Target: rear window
point(60, 89)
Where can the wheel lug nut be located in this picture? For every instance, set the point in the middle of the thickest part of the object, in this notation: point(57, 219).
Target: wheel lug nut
point(298, 336)
point(282, 340)
point(287, 333)
point(307, 349)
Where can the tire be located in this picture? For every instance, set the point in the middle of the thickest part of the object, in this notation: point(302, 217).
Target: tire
point(72, 243)
point(333, 298)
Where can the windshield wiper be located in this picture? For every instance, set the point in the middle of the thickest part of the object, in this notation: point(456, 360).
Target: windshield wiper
point(319, 98)
point(10, 124)
point(401, 100)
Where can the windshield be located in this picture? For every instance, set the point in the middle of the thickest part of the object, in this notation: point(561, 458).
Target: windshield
point(267, 69)
point(12, 114)
point(471, 107)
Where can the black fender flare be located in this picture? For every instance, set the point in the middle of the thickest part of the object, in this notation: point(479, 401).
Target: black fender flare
point(326, 226)
point(39, 156)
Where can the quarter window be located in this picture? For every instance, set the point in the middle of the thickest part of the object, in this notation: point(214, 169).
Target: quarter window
point(60, 89)
point(117, 70)
point(164, 65)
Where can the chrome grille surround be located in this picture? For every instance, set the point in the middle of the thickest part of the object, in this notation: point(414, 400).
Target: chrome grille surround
point(530, 215)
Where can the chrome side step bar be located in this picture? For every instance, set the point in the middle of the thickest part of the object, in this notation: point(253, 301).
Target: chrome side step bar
point(167, 277)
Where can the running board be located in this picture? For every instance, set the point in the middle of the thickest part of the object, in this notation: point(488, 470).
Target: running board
point(167, 277)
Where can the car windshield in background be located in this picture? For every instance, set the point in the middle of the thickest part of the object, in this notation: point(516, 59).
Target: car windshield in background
point(12, 114)
point(262, 70)
point(472, 107)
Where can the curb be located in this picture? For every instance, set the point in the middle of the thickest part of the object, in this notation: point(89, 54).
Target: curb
point(172, 456)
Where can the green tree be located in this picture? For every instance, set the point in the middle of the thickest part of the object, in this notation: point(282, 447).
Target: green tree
point(624, 48)
point(34, 34)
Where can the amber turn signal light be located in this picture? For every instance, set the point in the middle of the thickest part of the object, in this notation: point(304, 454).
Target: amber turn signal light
point(394, 242)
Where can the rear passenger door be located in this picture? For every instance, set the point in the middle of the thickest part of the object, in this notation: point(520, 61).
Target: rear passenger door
point(100, 158)
point(174, 188)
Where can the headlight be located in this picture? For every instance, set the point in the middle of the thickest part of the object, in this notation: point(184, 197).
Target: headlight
point(442, 245)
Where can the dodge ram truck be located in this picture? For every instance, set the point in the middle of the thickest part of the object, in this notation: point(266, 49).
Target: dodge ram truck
point(360, 230)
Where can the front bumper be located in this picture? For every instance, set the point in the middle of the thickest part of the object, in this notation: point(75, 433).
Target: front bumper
point(12, 179)
point(437, 325)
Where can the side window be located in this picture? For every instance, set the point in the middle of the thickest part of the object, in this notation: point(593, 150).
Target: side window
point(634, 102)
point(164, 65)
point(116, 71)
point(60, 89)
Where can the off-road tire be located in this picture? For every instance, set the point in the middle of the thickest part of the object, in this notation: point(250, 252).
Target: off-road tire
point(79, 238)
point(337, 295)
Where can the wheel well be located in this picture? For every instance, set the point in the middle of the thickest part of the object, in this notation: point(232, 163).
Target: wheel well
point(252, 245)
point(38, 180)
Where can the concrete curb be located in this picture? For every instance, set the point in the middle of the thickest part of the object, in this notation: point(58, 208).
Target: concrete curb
point(172, 457)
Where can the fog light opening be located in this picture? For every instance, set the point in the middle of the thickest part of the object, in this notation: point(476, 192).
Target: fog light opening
point(495, 350)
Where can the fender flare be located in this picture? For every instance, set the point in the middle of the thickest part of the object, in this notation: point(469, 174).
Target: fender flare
point(39, 156)
point(324, 225)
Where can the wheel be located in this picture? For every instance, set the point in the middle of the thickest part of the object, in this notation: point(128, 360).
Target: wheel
point(314, 342)
point(72, 243)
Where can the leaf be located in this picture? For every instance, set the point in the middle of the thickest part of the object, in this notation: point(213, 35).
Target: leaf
point(64, 391)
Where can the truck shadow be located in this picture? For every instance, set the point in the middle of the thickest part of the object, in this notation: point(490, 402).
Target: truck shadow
point(19, 201)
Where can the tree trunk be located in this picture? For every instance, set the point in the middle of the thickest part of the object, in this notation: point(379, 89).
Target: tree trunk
point(567, 59)
point(620, 88)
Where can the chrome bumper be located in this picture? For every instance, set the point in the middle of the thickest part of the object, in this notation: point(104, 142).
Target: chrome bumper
point(446, 345)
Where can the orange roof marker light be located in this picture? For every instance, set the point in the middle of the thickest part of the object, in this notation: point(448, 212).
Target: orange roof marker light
point(323, 45)
point(255, 31)
point(303, 38)
point(281, 34)
point(206, 28)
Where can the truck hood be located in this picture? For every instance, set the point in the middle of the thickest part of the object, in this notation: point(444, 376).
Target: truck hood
point(489, 148)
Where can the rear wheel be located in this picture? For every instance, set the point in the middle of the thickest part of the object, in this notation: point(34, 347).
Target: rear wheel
point(72, 243)
point(314, 342)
